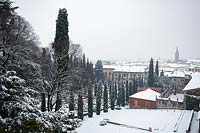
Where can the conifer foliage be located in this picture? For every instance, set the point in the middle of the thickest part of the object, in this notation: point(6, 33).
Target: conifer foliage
point(123, 95)
point(127, 92)
point(90, 102)
point(157, 69)
point(151, 74)
point(105, 98)
point(61, 55)
point(71, 102)
point(112, 97)
point(99, 75)
point(80, 107)
point(98, 99)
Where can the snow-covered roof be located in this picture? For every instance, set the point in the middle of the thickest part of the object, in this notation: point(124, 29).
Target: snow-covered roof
point(194, 82)
point(175, 65)
point(147, 94)
point(178, 96)
point(178, 74)
point(130, 69)
point(167, 73)
point(126, 68)
point(109, 66)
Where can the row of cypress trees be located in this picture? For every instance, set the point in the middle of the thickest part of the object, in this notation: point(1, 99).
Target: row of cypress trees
point(113, 94)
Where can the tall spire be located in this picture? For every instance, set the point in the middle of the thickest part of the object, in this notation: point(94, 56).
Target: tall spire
point(177, 55)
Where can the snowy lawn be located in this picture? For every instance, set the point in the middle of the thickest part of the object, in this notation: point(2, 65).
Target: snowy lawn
point(161, 121)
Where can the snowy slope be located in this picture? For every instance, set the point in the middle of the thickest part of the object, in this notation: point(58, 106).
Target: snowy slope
point(161, 121)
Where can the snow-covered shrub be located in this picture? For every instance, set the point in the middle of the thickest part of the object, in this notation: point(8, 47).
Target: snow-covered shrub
point(62, 120)
point(18, 111)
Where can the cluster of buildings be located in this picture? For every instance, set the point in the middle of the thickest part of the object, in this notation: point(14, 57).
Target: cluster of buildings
point(124, 72)
point(151, 99)
point(173, 78)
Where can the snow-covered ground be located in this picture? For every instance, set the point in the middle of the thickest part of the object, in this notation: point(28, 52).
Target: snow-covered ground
point(161, 121)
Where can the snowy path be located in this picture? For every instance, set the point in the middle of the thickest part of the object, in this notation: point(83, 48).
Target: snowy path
point(195, 123)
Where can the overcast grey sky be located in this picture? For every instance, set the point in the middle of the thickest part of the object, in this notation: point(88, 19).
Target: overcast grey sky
point(121, 29)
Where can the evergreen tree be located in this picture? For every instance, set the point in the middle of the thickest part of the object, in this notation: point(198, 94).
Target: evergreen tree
point(110, 85)
point(61, 41)
point(95, 89)
point(7, 15)
point(99, 75)
point(140, 82)
point(134, 86)
point(43, 103)
point(90, 102)
point(105, 98)
point(157, 69)
point(71, 103)
point(162, 73)
point(115, 91)
point(61, 53)
point(127, 92)
point(112, 97)
point(84, 62)
point(80, 107)
point(98, 99)
point(91, 72)
point(119, 93)
point(123, 98)
point(151, 74)
point(130, 88)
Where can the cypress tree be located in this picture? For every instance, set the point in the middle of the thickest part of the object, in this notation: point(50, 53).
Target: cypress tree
point(151, 74)
point(130, 88)
point(61, 41)
point(112, 97)
point(43, 104)
point(123, 95)
point(105, 98)
point(162, 73)
point(90, 102)
point(80, 107)
point(95, 89)
point(84, 61)
point(119, 95)
point(127, 92)
point(71, 103)
point(99, 75)
point(157, 69)
point(98, 99)
point(134, 87)
point(115, 90)
point(91, 73)
point(61, 53)
point(109, 90)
